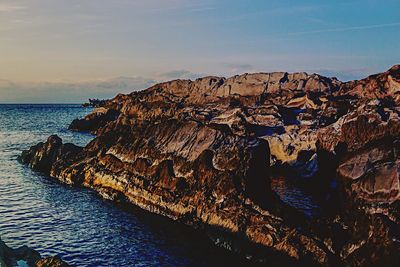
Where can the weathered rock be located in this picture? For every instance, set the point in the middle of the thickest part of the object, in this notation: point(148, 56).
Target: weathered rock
point(362, 148)
point(200, 152)
point(43, 156)
point(99, 118)
point(381, 85)
point(295, 148)
point(51, 262)
point(11, 257)
point(195, 174)
point(366, 125)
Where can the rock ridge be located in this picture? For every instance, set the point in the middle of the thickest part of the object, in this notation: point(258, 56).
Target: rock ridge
point(203, 152)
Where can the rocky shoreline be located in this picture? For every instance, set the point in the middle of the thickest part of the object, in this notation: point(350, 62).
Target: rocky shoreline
point(202, 152)
point(24, 256)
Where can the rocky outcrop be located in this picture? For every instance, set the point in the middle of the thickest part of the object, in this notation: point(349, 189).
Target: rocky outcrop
point(362, 149)
point(99, 118)
point(51, 262)
point(46, 154)
point(217, 182)
point(25, 256)
point(257, 104)
point(363, 146)
point(381, 85)
point(95, 103)
point(201, 152)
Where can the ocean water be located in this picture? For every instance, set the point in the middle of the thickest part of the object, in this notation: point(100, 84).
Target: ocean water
point(76, 223)
point(295, 196)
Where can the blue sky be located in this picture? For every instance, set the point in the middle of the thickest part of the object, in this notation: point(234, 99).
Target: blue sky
point(81, 41)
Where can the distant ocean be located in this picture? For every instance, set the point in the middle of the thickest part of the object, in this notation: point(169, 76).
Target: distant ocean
point(75, 223)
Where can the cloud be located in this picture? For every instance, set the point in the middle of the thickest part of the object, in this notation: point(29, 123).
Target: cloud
point(79, 92)
point(179, 74)
point(171, 6)
point(345, 29)
point(6, 83)
point(123, 84)
point(52, 92)
point(271, 11)
point(235, 68)
point(6, 7)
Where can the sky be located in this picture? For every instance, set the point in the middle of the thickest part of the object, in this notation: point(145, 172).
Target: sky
point(70, 50)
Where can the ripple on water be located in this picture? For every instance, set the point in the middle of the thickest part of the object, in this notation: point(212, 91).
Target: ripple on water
point(295, 196)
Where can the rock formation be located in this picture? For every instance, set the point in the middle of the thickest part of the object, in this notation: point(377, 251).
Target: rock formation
point(201, 152)
point(25, 256)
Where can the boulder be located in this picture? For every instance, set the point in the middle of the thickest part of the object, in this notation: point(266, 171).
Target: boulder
point(23, 255)
point(363, 149)
point(99, 118)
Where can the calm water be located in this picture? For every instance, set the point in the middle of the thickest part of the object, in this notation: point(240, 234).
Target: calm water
point(74, 222)
point(296, 197)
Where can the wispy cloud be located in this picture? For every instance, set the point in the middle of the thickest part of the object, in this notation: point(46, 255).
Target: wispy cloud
point(55, 92)
point(172, 6)
point(202, 8)
point(345, 29)
point(235, 68)
point(6, 7)
point(276, 12)
point(179, 74)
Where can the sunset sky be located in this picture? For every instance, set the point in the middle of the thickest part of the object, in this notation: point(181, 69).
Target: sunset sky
point(45, 43)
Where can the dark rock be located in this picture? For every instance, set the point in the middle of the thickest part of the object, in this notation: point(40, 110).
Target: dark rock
point(9, 257)
point(367, 161)
point(43, 156)
point(95, 103)
point(99, 118)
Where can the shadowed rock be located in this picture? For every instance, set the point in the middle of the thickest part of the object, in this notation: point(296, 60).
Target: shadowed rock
point(24, 256)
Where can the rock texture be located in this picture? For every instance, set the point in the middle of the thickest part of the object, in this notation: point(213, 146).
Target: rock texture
point(15, 257)
point(364, 145)
point(51, 262)
point(201, 152)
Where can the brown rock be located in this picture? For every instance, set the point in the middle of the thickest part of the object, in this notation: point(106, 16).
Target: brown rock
point(199, 152)
point(51, 262)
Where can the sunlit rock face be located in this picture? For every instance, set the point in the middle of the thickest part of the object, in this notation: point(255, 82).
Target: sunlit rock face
point(386, 84)
point(259, 104)
point(202, 152)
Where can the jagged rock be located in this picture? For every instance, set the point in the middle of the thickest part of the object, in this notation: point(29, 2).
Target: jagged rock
point(12, 257)
point(381, 85)
point(99, 118)
point(195, 174)
point(43, 156)
point(51, 262)
point(295, 148)
point(362, 147)
point(367, 124)
point(200, 152)
point(95, 103)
